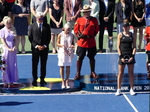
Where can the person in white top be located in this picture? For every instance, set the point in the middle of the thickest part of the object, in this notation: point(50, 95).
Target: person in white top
point(65, 42)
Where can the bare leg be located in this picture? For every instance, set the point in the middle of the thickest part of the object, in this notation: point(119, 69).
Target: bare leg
point(119, 79)
point(120, 75)
point(131, 75)
point(62, 76)
point(53, 43)
point(135, 33)
point(140, 37)
point(131, 78)
point(67, 75)
point(23, 40)
point(17, 41)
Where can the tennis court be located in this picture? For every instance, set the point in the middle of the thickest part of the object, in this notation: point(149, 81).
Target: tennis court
point(77, 101)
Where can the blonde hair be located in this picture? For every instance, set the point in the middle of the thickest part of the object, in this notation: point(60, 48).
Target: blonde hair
point(7, 19)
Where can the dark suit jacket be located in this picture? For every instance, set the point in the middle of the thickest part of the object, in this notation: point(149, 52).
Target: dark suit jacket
point(39, 38)
point(110, 11)
point(119, 12)
point(68, 8)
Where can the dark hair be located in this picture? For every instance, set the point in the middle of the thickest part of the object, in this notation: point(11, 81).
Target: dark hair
point(143, 2)
point(24, 4)
point(126, 1)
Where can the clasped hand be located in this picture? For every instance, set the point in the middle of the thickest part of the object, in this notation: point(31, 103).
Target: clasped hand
point(11, 50)
point(130, 60)
point(139, 19)
point(41, 47)
point(21, 15)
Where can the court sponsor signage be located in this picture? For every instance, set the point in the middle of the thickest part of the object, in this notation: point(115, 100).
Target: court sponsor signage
point(113, 88)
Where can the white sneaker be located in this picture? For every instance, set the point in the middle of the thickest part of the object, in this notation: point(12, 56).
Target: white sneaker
point(132, 92)
point(63, 87)
point(67, 87)
point(118, 92)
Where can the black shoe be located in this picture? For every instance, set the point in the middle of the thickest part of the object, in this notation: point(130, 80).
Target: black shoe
point(43, 83)
point(34, 83)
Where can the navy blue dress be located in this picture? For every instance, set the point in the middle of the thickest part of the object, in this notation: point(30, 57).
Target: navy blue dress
point(20, 24)
point(57, 15)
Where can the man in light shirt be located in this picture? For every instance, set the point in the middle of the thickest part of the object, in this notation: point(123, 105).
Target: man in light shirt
point(39, 6)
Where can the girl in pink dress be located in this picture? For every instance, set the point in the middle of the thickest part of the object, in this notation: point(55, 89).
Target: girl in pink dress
point(7, 36)
point(65, 43)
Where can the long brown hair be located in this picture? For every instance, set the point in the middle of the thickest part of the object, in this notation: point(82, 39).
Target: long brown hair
point(139, 2)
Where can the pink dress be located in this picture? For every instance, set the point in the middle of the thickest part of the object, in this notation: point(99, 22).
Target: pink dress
point(11, 73)
point(65, 54)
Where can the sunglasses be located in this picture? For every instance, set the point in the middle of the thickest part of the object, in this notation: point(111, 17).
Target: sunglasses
point(41, 18)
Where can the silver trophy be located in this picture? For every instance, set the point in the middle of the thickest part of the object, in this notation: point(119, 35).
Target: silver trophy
point(126, 58)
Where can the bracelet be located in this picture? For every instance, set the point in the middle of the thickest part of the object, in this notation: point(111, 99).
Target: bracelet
point(120, 56)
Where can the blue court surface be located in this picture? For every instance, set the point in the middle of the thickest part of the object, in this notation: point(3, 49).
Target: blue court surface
point(77, 101)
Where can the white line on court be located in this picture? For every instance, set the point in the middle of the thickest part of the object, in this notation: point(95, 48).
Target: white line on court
point(130, 103)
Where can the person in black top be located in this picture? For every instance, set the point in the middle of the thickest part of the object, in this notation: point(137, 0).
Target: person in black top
point(56, 15)
point(126, 47)
point(138, 20)
point(3, 12)
point(39, 37)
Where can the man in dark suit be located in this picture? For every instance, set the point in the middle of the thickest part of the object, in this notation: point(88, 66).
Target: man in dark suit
point(106, 16)
point(39, 36)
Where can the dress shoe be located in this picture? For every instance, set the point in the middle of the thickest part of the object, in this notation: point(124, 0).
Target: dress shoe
point(34, 83)
point(93, 75)
point(43, 83)
point(77, 77)
point(5, 85)
point(100, 52)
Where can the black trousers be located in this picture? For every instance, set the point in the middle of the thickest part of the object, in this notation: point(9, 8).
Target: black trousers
point(148, 56)
point(36, 56)
point(81, 52)
point(102, 26)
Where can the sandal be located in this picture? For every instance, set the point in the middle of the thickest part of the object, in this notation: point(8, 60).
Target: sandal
point(23, 52)
point(54, 51)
